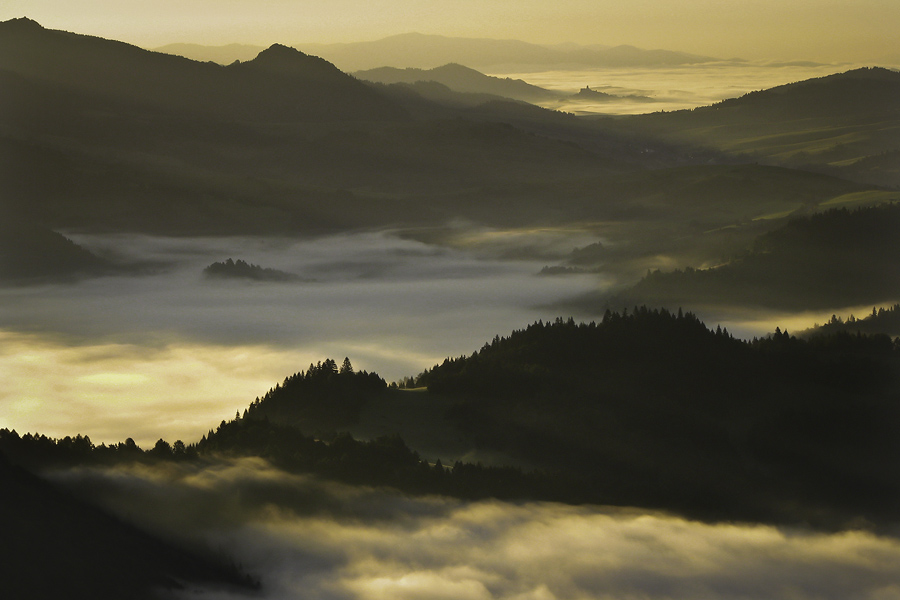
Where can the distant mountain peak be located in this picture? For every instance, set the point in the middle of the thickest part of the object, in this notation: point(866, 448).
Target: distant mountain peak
point(22, 23)
point(453, 66)
point(286, 60)
point(280, 50)
point(279, 53)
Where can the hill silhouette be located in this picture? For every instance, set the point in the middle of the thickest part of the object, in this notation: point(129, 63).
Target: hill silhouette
point(830, 123)
point(101, 134)
point(240, 269)
point(885, 321)
point(461, 79)
point(836, 258)
point(423, 51)
point(278, 84)
point(647, 408)
point(30, 253)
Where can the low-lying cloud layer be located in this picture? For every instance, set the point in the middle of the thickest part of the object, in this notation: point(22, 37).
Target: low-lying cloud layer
point(671, 88)
point(314, 540)
point(171, 353)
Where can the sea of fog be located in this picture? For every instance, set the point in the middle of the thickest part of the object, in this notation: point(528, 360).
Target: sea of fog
point(168, 352)
point(164, 351)
point(672, 88)
point(316, 540)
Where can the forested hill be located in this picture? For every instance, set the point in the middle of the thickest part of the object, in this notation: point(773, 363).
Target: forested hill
point(836, 258)
point(648, 408)
point(880, 320)
point(281, 83)
point(325, 394)
point(653, 408)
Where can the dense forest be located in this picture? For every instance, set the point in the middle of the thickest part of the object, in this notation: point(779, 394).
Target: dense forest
point(880, 320)
point(839, 257)
point(647, 408)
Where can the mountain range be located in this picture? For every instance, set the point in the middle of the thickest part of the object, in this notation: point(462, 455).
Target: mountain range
point(280, 83)
point(104, 136)
point(462, 79)
point(422, 51)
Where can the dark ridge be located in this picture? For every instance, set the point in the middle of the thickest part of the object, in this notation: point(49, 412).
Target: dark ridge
point(650, 408)
point(19, 24)
point(460, 78)
point(239, 269)
point(857, 91)
point(836, 258)
point(278, 58)
point(885, 321)
point(30, 253)
point(283, 85)
point(55, 545)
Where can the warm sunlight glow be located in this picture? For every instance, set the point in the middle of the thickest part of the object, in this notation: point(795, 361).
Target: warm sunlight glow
point(751, 29)
point(405, 300)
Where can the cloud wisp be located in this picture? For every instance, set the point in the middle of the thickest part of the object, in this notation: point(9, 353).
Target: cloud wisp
point(310, 539)
point(171, 352)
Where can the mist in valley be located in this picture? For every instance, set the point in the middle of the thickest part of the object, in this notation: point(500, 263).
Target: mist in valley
point(585, 302)
point(313, 539)
point(171, 352)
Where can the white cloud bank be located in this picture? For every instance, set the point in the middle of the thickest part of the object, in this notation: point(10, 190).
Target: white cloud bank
point(317, 541)
point(172, 353)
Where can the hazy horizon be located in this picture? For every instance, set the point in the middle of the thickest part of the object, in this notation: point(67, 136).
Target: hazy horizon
point(761, 30)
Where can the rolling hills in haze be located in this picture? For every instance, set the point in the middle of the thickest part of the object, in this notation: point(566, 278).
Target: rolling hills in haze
point(104, 136)
point(280, 83)
point(421, 51)
point(461, 79)
point(845, 124)
point(835, 258)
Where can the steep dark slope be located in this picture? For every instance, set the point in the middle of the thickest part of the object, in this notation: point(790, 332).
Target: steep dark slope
point(280, 84)
point(56, 546)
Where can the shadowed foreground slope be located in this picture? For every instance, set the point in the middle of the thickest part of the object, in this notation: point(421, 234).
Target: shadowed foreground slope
point(54, 546)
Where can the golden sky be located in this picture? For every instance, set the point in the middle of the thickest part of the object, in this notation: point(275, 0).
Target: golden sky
point(825, 30)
